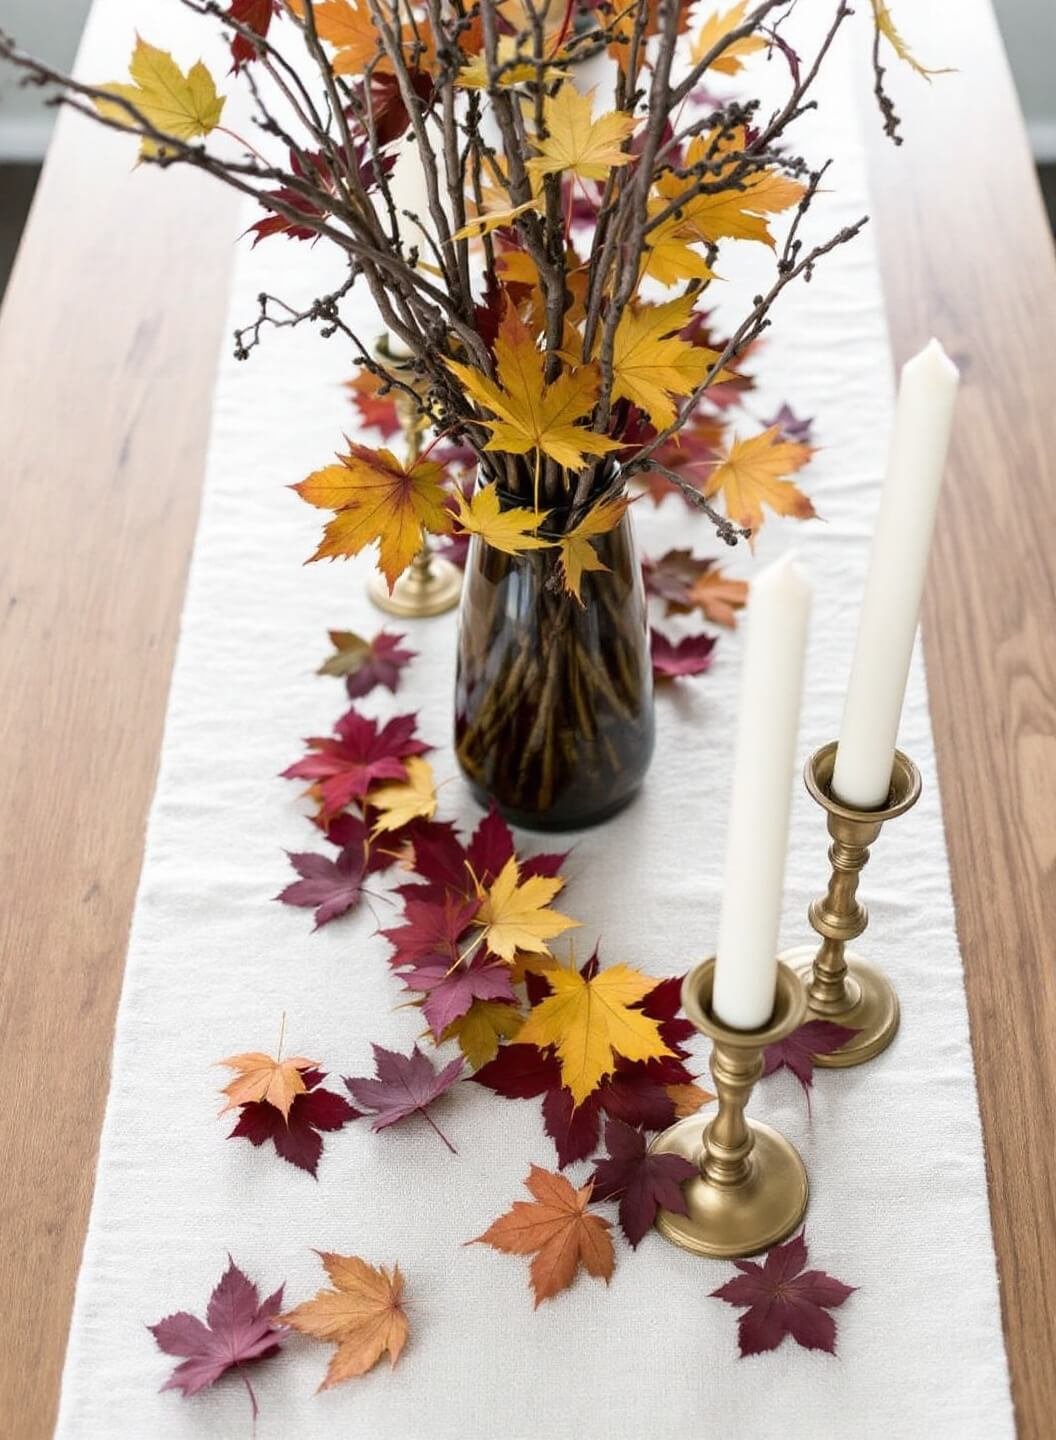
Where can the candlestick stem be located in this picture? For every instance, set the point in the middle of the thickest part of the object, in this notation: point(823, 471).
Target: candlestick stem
point(841, 986)
point(430, 585)
point(751, 1191)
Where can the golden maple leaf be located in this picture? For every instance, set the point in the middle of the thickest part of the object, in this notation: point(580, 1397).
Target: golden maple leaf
point(183, 106)
point(260, 1077)
point(650, 364)
point(754, 473)
point(577, 553)
point(534, 416)
point(715, 28)
point(556, 1227)
point(363, 1316)
point(574, 144)
point(515, 914)
point(591, 1022)
point(669, 257)
point(481, 1028)
point(735, 214)
point(510, 531)
point(377, 499)
point(405, 800)
point(886, 26)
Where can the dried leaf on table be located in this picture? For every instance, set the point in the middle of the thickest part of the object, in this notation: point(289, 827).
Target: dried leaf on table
point(515, 914)
point(780, 1298)
point(405, 800)
point(366, 664)
point(641, 1182)
point(239, 1328)
point(796, 1052)
point(297, 1137)
point(690, 656)
point(362, 1315)
point(403, 1085)
point(261, 1077)
point(556, 1228)
point(358, 755)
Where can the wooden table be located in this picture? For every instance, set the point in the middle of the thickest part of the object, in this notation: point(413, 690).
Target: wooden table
point(108, 341)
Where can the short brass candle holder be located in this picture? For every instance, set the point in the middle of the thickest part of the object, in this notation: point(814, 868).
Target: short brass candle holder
point(430, 585)
point(841, 986)
point(752, 1188)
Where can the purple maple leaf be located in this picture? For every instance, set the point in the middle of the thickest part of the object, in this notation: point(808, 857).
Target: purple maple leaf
point(381, 666)
point(781, 1298)
point(796, 1052)
point(451, 989)
point(642, 1183)
point(401, 1086)
point(330, 886)
point(691, 656)
point(296, 1138)
point(238, 1328)
point(791, 426)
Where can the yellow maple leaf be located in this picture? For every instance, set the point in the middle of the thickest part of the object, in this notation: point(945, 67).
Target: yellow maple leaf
point(260, 1077)
point(405, 800)
point(482, 1027)
point(574, 144)
point(591, 1022)
point(754, 473)
point(507, 530)
point(735, 214)
point(885, 24)
point(715, 28)
point(577, 553)
point(363, 1316)
point(183, 106)
point(377, 499)
point(516, 915)
point(670, 258)
point(650, 364)
point(534, 416)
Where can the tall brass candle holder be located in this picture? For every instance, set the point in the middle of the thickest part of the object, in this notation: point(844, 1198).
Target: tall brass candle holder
point(841, 986)
point(430, 585)
point(752, 1188)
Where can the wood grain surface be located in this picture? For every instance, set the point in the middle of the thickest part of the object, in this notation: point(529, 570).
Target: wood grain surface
point(108, 342)
point(966, 253)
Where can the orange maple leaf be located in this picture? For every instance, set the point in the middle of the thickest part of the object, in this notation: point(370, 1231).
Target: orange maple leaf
point(557, 1229)
point(718, 597)
point(363, 1316)
point(754, 473)
point(377, 498)
point(260, 1077)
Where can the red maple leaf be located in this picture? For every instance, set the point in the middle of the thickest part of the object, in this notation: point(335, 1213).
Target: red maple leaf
point(403, 1085)
point(434, 924)
point(784, 1299)
point(691, 656)
point(256, 15)
point(451, 989)
point(347, 766)
point(239, 1327)
point(442, 860)
point(377, 410)
point(296, 1138)
point(796, 1052)
point(642, 1183)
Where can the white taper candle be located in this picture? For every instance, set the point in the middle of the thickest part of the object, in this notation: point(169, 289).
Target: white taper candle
point(763, 777)
point(897, 566)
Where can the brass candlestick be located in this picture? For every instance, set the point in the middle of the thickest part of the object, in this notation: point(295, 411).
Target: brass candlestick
point(430, 585)
point(752, 1188)
point(841, 987)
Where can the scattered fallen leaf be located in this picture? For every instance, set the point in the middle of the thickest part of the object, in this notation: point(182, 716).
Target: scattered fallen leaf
point(556, 1227)
point(642, 1183)
point(357, 756)
point(330, 887)
point(406, 800)
point(781, 1298)
point(296, 1138)
point(239, 1327)
point(365, 664)
point(481, 1030)
point(515, 914)
point(691, 656)
point(403, 1085)
point(796, 1052)
point(277, 1082)
point(450, 990)
point(362, 1315)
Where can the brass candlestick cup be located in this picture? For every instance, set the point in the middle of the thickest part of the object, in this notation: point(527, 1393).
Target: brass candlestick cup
point(430, 585)
point(841, 986)
point(752, 1188)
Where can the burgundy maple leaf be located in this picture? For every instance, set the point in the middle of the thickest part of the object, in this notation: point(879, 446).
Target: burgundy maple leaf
point(672, 577)
point(255, 15)
point(781, 1298)
point(642, 1183)
point(691, 656)
point(796, 1052)
point(791, 426)
point(297, 1138)
point(366, 664)
point(346, 765)
point(451, 989)
point(433, 925)
point(329, 886)
point(403, 1085)
point(238, 1328)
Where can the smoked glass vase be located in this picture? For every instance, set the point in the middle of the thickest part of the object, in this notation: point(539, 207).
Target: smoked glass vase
point(554, 699)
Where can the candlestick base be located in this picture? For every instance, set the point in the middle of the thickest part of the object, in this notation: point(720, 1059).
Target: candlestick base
point(868, 1004)
point(430, 586)
point(742, 1219)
